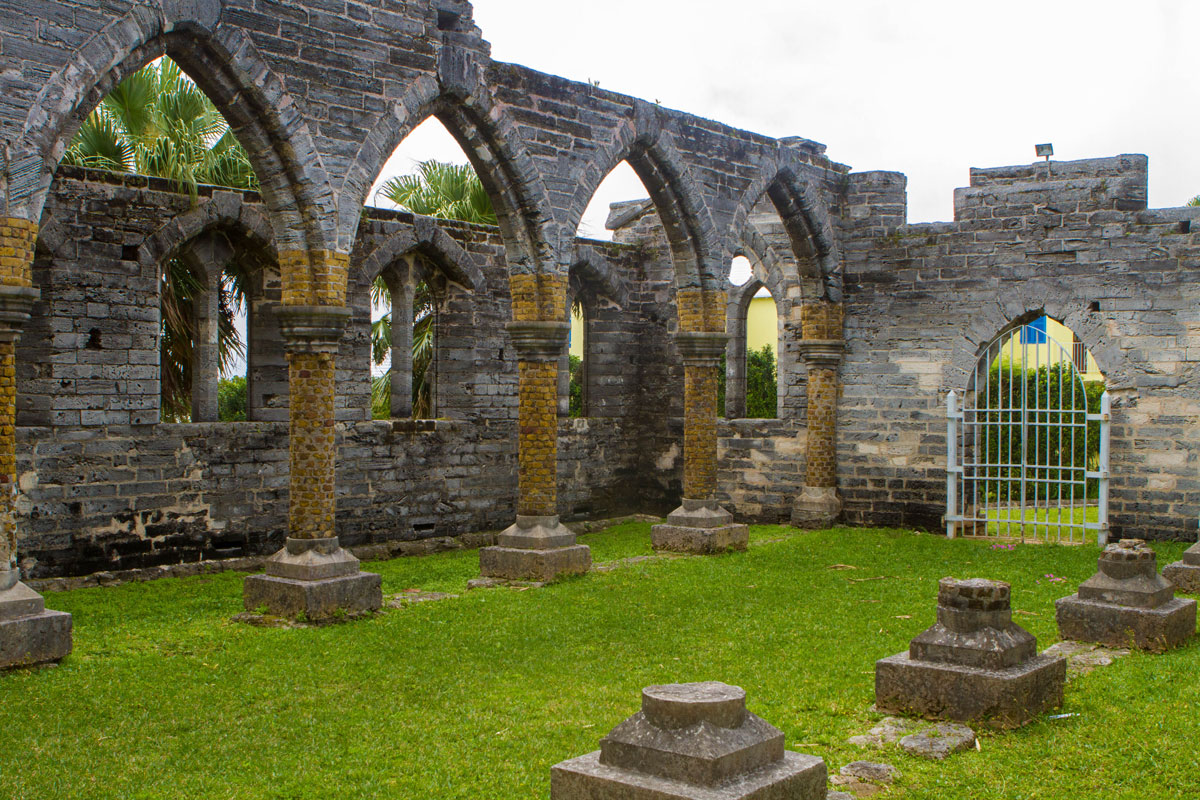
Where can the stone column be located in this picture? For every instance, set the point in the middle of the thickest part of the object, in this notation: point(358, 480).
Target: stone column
point(818, 505)
point(206, 356)
point(29, 633)
point(700, 524)
point(312, 575)
point(402, 332)
point(538, 547)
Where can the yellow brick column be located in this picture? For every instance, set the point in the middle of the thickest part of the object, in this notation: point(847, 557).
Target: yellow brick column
point(821, 346)
point(29, 633)
point(312, 576)
point(700, 524)
point(537, 547)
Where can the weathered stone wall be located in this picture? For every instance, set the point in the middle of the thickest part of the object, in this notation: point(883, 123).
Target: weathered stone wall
point(99, 493)
point(1073, 240)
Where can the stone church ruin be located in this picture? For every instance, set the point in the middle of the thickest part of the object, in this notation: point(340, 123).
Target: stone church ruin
point(879, 319)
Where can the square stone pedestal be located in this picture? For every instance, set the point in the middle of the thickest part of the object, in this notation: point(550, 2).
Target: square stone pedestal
point(1127, 603)
point(692, 741)
point(1001, 698)
point(1185, 574)
point(29, 633)
point(973, 664)
point(535, 549)
point(700, 527)
point(313, 577)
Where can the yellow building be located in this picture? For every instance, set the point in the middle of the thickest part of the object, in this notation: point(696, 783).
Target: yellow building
point(762, 324)
point(1033, 347)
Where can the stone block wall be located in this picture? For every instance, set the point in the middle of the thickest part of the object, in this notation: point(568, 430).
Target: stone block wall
point(1072, 240)
point(107, 490)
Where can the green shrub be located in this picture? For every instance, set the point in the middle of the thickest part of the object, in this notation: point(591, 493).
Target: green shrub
point(762, 393)
point(576, 388)
point(231, 399)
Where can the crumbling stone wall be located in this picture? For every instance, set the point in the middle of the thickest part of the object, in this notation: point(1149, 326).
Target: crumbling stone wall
point(1073, 240)
point(103, 489)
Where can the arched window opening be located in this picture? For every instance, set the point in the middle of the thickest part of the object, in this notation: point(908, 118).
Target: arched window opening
point(618, 200)
point(762, 348)
point(211, 347)
point(158, 122)
point(576, 372)
point(740, 271)
point(1029, 440)
point(429, 174)
point(751, 375)
point(404, 316)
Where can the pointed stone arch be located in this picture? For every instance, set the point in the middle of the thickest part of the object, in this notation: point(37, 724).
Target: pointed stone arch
point(226, 65)
point(647, 146)
point(426, 237)
point(490, 142)
point(804, 215)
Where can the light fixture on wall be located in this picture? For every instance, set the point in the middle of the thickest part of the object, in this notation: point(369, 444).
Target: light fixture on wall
point(1044, 150)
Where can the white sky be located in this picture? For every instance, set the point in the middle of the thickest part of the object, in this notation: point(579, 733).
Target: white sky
point(925, 87)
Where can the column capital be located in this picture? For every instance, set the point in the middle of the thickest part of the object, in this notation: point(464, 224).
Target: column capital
point(822, 353)
point(16, 304)
point(312, 329)
point(701, 348)
point(538, 341)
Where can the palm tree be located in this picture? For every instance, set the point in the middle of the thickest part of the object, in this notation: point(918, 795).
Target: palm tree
point(436, 189)
point(158, 122)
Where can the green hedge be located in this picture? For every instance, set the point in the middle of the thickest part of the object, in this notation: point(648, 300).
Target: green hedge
point(1059, 454)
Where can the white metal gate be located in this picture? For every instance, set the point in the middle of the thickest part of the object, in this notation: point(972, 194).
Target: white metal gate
point(1026, 458)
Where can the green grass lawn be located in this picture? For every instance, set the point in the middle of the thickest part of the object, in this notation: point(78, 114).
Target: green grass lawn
point(1045, 524)
point(477, 696)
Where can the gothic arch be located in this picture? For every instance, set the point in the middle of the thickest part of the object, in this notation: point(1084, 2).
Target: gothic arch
point(225, 64)
point(492, 145)
point(646, 145)
point(805, 218)
point(428, 239)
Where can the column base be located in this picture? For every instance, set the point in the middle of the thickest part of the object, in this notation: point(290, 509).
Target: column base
point(700, 527)
point(538, 549)
point(1153, 629)
point(816, 507)
point(315, 578)
point(29, 633)
point(1185, 574)
point(998, 698)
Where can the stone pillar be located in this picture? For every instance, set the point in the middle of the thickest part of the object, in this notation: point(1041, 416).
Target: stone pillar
point(312, 575)
point(973, 664)
point(1127, 603)
point(700, 525)
point(402, 288)
point(206, 356)
point(691, 741)
point(818, 505)
point(29, 633)
point(538, 547)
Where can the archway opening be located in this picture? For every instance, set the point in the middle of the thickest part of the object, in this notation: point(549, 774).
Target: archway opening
point(1030, 441)
point(158, 122)
point(617, 202)
point(428, 174)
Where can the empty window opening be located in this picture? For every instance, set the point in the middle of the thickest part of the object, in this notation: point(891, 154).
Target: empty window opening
point(740, 271)
point(158, 122)
point(404, 345)
point(577, 358)
point(429, 174)
point(619, 201)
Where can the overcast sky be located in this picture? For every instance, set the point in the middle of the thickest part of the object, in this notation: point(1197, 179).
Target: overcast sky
point(924, 87)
